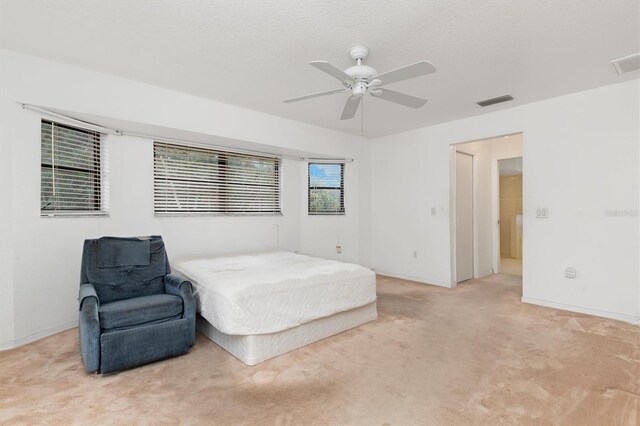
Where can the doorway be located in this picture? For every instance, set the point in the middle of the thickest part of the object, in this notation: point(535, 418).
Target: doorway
point(510, 210)
point(475, 203)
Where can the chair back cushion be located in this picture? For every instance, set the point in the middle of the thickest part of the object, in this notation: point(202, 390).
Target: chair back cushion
point(114, 252)
point(122, 268)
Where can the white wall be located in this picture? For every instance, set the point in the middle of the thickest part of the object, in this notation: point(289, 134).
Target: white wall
point(580, 159)
point(41, 266)
point(6, 235)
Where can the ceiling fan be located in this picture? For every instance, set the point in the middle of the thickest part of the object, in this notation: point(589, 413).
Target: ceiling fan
point(360, 79)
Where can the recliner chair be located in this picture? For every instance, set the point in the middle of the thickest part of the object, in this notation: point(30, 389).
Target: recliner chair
point(132, 309)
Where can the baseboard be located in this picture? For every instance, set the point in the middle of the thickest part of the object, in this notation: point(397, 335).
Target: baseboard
point(37, 336)
point(633, 319)
point(412, 278)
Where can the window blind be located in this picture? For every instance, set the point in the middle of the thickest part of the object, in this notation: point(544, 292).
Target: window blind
point(194, 180)
point(326, 189)
point(69, 170)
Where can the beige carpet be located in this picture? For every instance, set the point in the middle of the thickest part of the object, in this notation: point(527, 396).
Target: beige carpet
point(474, 354)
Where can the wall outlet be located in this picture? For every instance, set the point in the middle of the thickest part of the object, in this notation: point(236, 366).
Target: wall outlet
point(338, 249)
point(542, 212)
point(415, 254)
point(433, 211)
point(570, 272)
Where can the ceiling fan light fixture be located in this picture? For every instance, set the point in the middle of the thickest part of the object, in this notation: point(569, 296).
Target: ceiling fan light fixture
point(359, 88)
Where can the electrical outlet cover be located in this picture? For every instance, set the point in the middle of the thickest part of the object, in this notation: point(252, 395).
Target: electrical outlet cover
point(542, 212)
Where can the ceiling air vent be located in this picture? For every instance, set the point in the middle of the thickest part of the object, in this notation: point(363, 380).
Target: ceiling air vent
point(494, 101)
point(627, 64)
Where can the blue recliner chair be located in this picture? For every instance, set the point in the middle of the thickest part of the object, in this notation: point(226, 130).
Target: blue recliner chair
point(132, 309)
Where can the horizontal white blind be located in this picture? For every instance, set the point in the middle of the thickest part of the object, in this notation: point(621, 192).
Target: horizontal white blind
point(192, 180)
point(326, 188)
point(69, 169)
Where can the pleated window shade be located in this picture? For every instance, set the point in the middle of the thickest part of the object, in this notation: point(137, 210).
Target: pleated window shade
point(70, 164)
point(326, 189)
point(193, 180)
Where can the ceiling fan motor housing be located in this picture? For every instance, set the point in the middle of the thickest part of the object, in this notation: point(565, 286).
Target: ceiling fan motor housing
point(361, 72)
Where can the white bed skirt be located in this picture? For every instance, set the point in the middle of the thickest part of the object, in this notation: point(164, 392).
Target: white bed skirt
point(256, 348)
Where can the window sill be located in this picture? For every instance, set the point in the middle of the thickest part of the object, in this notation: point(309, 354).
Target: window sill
point(73, 214)
point(218, 214)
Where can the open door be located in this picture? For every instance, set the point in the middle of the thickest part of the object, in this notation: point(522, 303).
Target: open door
point(464, 216)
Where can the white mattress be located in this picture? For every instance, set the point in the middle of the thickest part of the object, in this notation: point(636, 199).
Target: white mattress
point(271, 292)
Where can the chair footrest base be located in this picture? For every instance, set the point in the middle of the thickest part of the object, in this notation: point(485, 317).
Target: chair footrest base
point(124, 349)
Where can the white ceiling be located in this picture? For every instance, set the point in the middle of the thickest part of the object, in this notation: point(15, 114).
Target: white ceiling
point(255, 53)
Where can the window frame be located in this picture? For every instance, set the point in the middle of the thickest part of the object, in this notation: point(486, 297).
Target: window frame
point(342, 210)
point(223, 159)
point(95, 172)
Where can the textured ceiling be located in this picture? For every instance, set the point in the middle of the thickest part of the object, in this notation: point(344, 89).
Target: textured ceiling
point(255, 53)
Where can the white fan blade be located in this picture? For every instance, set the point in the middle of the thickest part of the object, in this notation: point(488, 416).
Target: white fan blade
point(331, 70)
point(350, 107)
point(315, 95)
point(400, 98)
point(405, 73)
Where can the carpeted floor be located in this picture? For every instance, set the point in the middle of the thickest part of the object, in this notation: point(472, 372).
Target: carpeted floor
point(474, 354)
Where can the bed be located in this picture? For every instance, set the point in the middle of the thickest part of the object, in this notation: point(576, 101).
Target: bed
point(263, 305)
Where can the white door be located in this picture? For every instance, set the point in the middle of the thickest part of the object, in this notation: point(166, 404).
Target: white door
point(464, 216)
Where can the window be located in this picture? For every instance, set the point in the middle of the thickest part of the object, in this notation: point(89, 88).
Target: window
point(192, 180)
point(326, 189)
point(69, 170)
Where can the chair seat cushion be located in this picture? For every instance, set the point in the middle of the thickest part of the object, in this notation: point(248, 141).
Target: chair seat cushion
point(137, 311)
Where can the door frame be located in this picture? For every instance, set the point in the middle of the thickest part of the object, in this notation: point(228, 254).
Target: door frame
point(454, 150)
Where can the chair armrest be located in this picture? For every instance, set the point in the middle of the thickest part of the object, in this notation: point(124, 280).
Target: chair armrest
point(179, 286)
point(87, 291)
point(89, 323)
point(176, 281)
